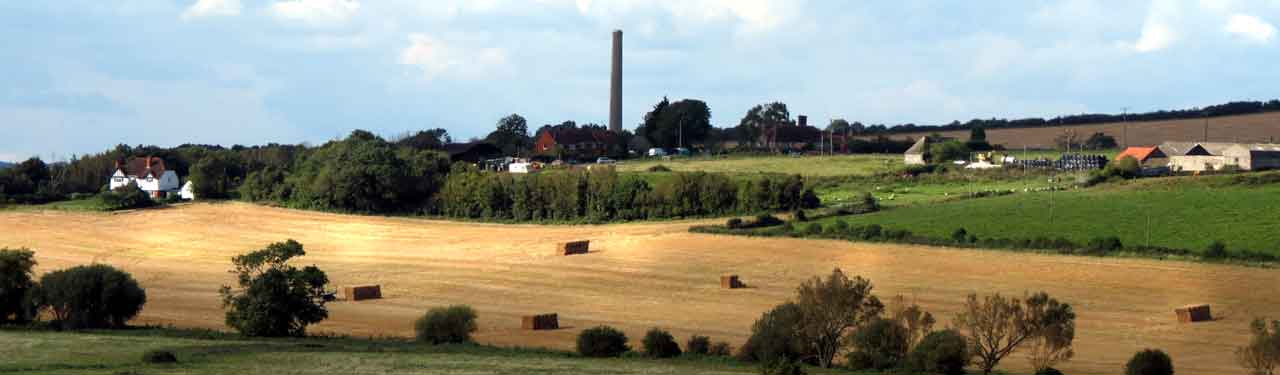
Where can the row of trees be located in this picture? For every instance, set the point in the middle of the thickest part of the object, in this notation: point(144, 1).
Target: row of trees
point(838, 314)
point(604, 195)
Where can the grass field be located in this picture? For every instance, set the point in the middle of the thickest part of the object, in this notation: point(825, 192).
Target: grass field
point(1180, 212)
point(120, 352)
point(809, 166)
point(638, 276)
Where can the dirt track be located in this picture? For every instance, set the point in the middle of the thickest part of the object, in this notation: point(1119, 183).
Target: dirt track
point(637, 276)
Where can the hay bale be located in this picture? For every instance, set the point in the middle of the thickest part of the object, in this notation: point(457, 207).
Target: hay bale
point(572, 247)
point(731, 282)
point(540, 322)
point(1193, 313)
point(362, 292)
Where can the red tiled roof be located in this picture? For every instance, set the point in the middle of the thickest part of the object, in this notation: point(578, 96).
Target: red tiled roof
point(1141, 153)
point(139, 166)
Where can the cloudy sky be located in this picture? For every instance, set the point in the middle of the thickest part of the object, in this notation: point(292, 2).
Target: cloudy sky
point(82, 76)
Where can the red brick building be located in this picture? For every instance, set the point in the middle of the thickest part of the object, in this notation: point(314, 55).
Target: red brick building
point(575, 143)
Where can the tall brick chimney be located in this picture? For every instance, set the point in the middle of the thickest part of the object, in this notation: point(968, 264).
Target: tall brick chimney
point(615, 85)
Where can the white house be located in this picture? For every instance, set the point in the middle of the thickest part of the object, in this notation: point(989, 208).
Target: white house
point(150, 175)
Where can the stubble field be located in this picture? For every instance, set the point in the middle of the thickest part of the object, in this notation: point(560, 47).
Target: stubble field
point(637, 276)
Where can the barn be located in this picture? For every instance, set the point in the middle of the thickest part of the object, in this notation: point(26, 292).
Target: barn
point(1210, 156)
point(1146, 156)
point(915, 154)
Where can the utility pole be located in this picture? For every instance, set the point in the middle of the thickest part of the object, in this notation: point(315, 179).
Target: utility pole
point(1205, 114)
point(1124, 125)
point(681, 134)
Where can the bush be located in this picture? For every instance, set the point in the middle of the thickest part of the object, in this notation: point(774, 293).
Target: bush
point(159, 356)
point(721, 349)
point(274, 298)
point(442, 325)
point(125, 197)
point(1104, 245)
point(941, 352)
point(1149, 362)
point(801, 216)
point(659, 344)
point(837, 227)
point(602, 341)
point(781, 366)
point(659, 168)
point(959, 236)
point(95, 296)
point(698, 345)
point(1048, 371)
point(773, 336)
point(1216, 250)
point(766, 220)
point(733, 223)
point(879, 345)
point(813, 229)
point(17, 286)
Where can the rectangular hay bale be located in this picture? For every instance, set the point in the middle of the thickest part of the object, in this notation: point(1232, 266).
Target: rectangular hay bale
point(731, 282)
point(572, 247)
point(362, 292)
point(540, 322)
point(1194, 313)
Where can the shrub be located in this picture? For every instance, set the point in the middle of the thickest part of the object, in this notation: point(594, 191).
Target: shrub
point(602, 341)
point(766, 220)
point(698, 345)
point(1262, 353)
point(125, 197)
point(17, 286)
point(959, 236)
point(444, 325)
point(659, 344)
point(941, 352)
point(879, 345)
point(720, 348)
point(781, 366)
point(801, 216)
point(869, 202)
point(773, 336)
point(659, 168)
point(733, 223)
point(1104, 245)
point(1048, 371)
point(94, 296)
point(837, 227)
point(274, 298)
point(159, 356)
point(813, 229)
point(1149, 362)
point(1216, 250)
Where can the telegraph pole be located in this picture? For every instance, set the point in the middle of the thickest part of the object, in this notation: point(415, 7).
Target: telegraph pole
point(1125, 126)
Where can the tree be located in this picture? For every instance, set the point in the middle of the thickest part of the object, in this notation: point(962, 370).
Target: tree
point(833, 307)
point(978, 139)
point(941, 352)
point(660, 344)
point(1149, 362)
point(761, 117)
point(879, 345)
point(17, 285)
point(430, 139)
point(94, 296)
point(511, 135)
point(1262, 354)
point(919, 323)
point(997, 326)
point(776, 335)
point(677, 124)
point(364, 173)
point(838, 126)
point(272, 297)
point(210, 176)
point(1055, 323)
point(453, 324)
point(947, 151)
point(1100, 141)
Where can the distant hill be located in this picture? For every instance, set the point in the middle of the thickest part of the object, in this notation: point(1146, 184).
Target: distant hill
point(1258, 127)
point(5, 164)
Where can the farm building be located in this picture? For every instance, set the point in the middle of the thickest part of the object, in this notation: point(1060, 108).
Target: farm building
point(915, 154)
point(473, 152)
point(1146, 156)
point(578, 142)
point(150, 175)
point(1208, 156)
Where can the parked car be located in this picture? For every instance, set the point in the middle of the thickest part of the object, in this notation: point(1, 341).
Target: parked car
point(604, 160)
point(657, 152)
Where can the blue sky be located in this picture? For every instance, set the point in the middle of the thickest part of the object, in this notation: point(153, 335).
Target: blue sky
point(82, 76)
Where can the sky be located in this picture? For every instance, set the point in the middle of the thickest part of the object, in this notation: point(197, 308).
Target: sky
point(82, 76)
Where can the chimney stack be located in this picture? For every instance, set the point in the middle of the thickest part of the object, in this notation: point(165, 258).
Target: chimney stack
point(804, 120)
point(148, 162)
point(615, 85)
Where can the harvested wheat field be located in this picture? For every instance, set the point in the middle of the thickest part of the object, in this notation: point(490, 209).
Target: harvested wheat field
point(635, 277)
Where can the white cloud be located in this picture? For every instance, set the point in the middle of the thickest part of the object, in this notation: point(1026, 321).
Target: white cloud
point(1251, 28)
point(437, 58)
point(1157, 30)
point(317, 13)
point(212, 8)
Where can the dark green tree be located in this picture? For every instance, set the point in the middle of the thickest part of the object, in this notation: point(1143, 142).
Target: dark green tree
point(511, 135)
point(760, 117)
point(682, 123)
point(211, 176)
point(94, 296)
point(273, 298)
point(17, 285)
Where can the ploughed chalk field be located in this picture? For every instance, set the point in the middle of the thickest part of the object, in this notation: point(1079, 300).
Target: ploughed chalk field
point(636, 276)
